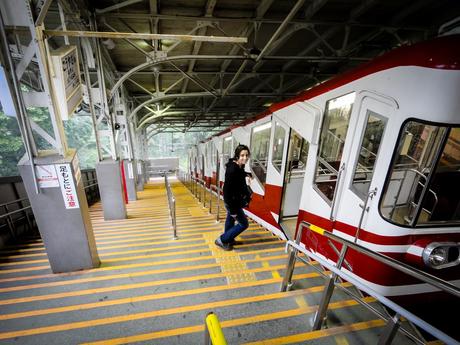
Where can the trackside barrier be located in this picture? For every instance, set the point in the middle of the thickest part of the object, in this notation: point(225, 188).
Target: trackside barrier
point(393, 322)
point(213, 331)
point(172, 207)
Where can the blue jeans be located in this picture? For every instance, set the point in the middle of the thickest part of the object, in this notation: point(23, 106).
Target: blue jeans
point(231, 229)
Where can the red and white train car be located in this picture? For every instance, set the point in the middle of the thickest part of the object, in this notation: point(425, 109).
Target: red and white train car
point(386, 134)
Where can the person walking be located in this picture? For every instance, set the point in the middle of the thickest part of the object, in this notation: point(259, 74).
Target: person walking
point(236, 196)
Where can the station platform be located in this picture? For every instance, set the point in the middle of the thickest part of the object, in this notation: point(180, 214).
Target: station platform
point(151, 289)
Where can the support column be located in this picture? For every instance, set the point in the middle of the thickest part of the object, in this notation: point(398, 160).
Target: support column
point(61, 211)
point(111, 189)
point(140, 175)
point(130, 173)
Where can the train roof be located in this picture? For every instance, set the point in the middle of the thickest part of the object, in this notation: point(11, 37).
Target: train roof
point(438, 53)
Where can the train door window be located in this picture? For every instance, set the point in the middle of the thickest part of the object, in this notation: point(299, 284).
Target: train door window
point(367, 154)
point(227, 149)
point(213, 155)
point(278, 146)
point(298, 153)
point(423, 188)
point(332, 141)
point(260, 140)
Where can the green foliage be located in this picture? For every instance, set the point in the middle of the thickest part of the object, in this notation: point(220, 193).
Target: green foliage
point(80, 135)
point(175, 145)
point(11, 147)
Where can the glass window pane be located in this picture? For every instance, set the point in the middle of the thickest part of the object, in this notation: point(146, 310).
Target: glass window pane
point(332, 141)
point(260, 140)
point(227, 149)
point(368, 151)
point(442, 198)
point(415, 156)
point(278, 146)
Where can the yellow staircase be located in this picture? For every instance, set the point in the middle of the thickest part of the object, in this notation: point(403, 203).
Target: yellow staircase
point(155, 290)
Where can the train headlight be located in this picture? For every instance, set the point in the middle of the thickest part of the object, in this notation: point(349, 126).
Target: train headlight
point(439, 255)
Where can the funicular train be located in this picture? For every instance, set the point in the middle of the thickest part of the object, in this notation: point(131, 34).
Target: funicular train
point(387, 132)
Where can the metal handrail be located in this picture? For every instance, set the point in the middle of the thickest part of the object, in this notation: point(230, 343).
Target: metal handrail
point(172, 207)
point(393, 322)
point(14, 212)
point(14, 202)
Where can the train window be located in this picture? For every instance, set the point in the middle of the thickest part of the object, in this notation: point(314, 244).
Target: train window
point(227, 149)
point(213, 155)
point(332, 140)
point(367, 155)
point(423, 187)
point(260, 140)
point(278, 146)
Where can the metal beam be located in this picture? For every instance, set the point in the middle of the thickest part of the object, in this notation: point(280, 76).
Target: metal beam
point(280, 29)
point(144, 36)
point(256, 20)
point(43, 11)
point(116, 6)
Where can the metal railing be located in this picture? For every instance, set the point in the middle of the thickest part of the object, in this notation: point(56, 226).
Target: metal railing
point(16, 211)
point(10, 222)
point(213, 333)
point(203, 194)
point(172, 207)
point(393, 322)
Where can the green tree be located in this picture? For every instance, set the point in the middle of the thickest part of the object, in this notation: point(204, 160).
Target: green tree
point(11, 146)
point(80, 135)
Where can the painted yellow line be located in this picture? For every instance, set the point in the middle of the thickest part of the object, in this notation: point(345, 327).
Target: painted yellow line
point(26, 269)
point(120, 276)
point(182, 229)
point(153, 224)
point(266, 264)
point(156, 296)
point(224, 324)
point(46, 297)
point(126, 258)
point(341, 340)
point(100, 245)
point(301, 302)
point(155, 313)
point(168, 235)
point(104, 255)
point(304, 337)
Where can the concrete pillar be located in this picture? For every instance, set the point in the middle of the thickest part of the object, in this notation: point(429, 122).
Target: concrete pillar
point(130, 173)
point(140, 175)
point(146, 172)
point(61, 211)
point(111, 189)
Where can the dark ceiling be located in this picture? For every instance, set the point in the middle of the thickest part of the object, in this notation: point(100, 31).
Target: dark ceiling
point(322, 38)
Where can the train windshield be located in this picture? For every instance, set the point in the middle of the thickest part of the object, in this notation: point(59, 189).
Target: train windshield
point(423, 187)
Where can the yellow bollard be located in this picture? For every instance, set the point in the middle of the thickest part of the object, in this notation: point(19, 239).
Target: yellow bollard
point(214, 330)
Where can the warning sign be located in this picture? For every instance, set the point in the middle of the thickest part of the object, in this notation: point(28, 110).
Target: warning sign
point(68, 190)
point(47, 176)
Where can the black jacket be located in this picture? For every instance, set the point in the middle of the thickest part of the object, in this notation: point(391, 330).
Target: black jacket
point(235, 187)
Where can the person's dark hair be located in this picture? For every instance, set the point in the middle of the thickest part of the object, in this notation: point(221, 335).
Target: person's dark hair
point(238, 150)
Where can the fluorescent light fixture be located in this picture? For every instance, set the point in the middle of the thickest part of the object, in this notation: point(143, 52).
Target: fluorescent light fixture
point(262, 127)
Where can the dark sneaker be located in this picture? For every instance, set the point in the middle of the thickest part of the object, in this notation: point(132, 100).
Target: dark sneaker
point(236, 243)
point(224, 246)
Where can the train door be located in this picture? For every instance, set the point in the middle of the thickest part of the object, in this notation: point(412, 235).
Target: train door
point(364, 170)
point(332, 157)
point(294, 175)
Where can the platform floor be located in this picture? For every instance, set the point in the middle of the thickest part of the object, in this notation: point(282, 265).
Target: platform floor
point(151, 289)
